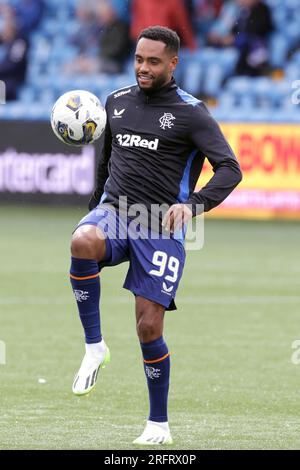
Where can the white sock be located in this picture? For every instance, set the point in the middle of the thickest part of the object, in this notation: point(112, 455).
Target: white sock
point(96, 349)
point(164, 425)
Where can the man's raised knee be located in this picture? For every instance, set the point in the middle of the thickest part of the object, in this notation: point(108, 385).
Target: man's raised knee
point(87, 244)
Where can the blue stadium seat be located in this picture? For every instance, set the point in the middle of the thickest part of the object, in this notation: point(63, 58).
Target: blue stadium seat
point(296, 58)
point(292, 4)
point(274, 3)
point(214, 76)
point(292, 71)
point(278, 49)
point(205, 70)
point(282, 92)
point(239, 86)
point(27, 95)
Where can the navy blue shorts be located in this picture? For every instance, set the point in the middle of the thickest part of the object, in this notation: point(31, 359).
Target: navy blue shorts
point(155, 263)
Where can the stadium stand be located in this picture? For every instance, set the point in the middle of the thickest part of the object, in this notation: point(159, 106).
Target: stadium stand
point(209, 69)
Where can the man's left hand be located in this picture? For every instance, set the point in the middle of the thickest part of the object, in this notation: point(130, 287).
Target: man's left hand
point(175, 218)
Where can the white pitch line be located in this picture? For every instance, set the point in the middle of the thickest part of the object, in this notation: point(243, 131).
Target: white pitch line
point(185, 300)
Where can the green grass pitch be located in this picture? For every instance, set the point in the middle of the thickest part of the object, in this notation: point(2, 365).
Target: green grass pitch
point(233, 385)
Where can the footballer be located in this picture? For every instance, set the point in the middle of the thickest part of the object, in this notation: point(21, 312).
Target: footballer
point(156, 139)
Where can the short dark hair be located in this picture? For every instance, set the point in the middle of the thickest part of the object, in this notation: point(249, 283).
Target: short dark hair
point(163, 34)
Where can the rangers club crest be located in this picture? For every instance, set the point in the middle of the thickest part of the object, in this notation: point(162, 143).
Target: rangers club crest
point(166, 121)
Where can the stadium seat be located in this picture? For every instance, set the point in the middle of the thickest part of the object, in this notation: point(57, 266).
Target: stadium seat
point(202, 71)
point(278, 49)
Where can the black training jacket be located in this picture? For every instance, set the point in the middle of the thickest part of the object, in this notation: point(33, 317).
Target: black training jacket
point(154, 148)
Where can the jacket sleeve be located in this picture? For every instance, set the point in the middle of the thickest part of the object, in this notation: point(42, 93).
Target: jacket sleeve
point(207, 137)
point(102, 166)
